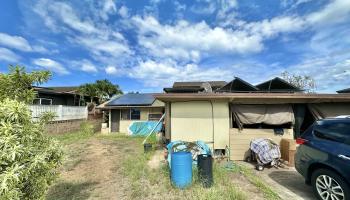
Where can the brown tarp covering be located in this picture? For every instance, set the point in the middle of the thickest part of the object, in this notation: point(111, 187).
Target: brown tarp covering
point(326, 110)
point(267, 114)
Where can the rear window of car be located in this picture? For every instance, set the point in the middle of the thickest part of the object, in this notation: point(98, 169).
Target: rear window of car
point(333, 130)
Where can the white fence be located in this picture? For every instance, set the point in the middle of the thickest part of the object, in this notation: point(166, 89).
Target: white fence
point(60, 112)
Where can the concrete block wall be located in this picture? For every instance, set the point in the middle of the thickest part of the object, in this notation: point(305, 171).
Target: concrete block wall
point(66, 126)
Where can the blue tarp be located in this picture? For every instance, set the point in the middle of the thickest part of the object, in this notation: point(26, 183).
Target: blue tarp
point(144, 128)
point(196, 148)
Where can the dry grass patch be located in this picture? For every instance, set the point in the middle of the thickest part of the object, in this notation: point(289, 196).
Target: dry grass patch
point(115, 167)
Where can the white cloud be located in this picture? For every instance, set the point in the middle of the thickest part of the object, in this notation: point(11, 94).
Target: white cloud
point(97, 45)
point(94, 35)
point(51, 65)
point(111, 70)
point(68, 16)
point(20, 43)
point(108, 7)
point(226, 13)
point(330, 72)
point(164, 73)
point(88, 67)
point(334, 12)
point(269, 28)
point(15, 42)
point(8, 55)
point(123, 12)
point(186, 41)
point(83, 65)
point(205, 8)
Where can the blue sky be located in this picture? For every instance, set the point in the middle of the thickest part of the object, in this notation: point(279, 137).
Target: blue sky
point(147, 45)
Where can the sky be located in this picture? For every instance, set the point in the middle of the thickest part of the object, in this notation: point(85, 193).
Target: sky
point(145, 46)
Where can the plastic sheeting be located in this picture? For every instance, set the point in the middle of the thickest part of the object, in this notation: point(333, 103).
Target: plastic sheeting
point(196, 148)
point(144, 128)
point(266, 114)
point(326, 110)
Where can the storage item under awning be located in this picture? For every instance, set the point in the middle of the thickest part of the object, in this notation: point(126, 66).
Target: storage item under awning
point(327, 110)
point(266, 114)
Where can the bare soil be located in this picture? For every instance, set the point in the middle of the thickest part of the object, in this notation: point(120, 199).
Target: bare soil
point(92, 170)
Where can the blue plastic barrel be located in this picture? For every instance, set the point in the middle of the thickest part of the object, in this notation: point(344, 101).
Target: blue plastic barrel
point(181, 169)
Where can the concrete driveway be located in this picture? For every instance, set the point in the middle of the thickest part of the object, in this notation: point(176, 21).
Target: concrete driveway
point(287, 182)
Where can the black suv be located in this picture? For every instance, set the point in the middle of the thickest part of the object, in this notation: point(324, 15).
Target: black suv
point(323, 158)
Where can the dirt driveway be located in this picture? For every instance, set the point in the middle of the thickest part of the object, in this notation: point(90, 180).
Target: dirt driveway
point(287, 182)
point(92, 170)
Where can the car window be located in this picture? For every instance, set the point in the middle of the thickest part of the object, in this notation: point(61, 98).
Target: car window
point(334, 131)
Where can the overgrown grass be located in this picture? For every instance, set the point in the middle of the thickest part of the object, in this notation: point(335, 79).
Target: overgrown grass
point(155, 183)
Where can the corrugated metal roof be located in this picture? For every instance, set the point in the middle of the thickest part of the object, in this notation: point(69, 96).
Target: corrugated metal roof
point(133, 99)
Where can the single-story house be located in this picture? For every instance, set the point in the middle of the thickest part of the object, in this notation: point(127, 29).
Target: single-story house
point(125, 109)
point(67, 96)
point(228, 118)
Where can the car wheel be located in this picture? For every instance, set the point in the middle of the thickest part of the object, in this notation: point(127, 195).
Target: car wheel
point(327, 185)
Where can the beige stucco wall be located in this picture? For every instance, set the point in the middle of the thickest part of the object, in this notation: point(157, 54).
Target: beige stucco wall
point(221, 125)
point(240, 140)
point(124, 125)
point(158, 103)
point(195, 120)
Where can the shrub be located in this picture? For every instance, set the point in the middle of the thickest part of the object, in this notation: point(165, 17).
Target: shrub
point(28, 158)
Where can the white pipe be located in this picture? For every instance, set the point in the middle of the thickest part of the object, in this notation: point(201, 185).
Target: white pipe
point(144, 141)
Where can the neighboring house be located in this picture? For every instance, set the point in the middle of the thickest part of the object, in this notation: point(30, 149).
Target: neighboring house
point(228, 118)
point(191, 87)
point(67, 96)
point(65, 102)
point(347, 90)
point(128, 108)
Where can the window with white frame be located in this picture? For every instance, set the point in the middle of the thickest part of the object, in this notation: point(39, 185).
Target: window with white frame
point(42, 101)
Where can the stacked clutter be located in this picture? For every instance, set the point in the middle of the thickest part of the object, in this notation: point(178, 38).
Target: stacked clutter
point(182, 155)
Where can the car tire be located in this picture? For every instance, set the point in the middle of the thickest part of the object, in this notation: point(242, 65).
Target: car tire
point(320, 174)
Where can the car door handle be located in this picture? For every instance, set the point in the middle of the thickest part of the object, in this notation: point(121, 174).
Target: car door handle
point(344, 157)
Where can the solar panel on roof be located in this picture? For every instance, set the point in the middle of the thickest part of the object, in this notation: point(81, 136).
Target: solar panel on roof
point(133, 99)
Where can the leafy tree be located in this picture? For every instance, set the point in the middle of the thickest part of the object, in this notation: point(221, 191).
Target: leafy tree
point(28, 158)
point(106, 89)
point(103, 89)
point(17, 85)
point(88, 89)
point(304, 82)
